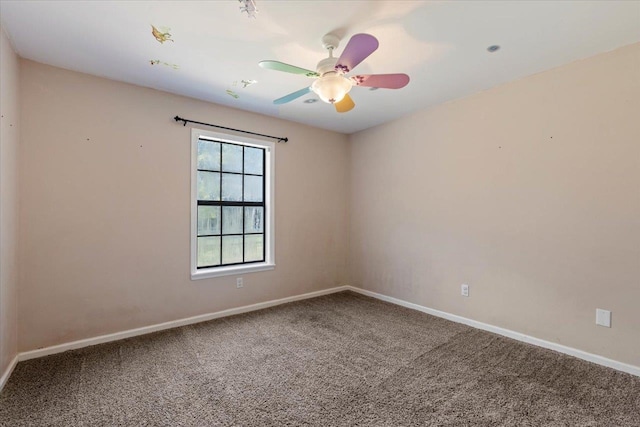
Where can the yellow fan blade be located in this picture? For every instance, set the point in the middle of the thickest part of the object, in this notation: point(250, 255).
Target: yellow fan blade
point(345, 105)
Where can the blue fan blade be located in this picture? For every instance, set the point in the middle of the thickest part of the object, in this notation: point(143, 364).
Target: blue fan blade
point(292, 96)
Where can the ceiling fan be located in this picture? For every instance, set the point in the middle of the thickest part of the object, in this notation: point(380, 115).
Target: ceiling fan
point(331, 83)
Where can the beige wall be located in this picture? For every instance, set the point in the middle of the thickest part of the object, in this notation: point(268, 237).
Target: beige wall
point(9, 125)
point(105, 202)
point(528, 192)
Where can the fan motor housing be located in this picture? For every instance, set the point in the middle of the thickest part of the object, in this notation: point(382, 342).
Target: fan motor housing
point(326, 65)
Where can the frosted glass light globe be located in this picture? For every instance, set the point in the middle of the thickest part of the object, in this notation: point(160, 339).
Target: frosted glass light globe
point(331, 88)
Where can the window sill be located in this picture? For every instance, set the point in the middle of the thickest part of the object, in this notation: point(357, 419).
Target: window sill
point(230, 271)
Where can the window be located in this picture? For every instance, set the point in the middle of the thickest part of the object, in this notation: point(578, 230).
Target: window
point(231, 205)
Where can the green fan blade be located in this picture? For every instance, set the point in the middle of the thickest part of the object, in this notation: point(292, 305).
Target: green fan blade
point(281, 66)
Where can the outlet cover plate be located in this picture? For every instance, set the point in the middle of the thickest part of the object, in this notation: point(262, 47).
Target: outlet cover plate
point(603, 317)
point(464, 290)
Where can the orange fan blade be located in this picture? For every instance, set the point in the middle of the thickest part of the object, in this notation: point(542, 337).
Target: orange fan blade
point(345, 105)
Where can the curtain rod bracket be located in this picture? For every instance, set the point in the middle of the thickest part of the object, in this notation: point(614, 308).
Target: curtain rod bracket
point(184, 123)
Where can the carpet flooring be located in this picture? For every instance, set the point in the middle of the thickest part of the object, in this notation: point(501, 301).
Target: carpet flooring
point(337, 360)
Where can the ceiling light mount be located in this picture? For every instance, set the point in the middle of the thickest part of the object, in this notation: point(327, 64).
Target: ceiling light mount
point(330, 42)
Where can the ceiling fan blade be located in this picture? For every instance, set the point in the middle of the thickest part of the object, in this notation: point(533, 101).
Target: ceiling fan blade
point(292, 96)
point(386, 81)
point(281, 66)
point(345, 105)
point(359, 47)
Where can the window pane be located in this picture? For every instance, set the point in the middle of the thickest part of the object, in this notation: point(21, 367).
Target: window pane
point(208, 155)
point(208, 220)
point(231, 187)
point(252, 188)
point(253, 220)
point(253, 160)
point(232, 220)
point(231, 158)
point(231, 249)
point(208, 186)
point(253, 247)
point(208, 251)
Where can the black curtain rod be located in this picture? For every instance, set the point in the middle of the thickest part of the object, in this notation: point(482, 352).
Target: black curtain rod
point(185, 121)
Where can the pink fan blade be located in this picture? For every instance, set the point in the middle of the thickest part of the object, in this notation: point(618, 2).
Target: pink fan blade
point(359, 47)
point(386, 81)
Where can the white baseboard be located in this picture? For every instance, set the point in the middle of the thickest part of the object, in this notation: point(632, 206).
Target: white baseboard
point(600, 360)
point(168, 325)
point(7, 373)
point(634, 370)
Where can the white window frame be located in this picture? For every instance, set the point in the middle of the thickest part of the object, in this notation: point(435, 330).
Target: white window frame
point(269, 223)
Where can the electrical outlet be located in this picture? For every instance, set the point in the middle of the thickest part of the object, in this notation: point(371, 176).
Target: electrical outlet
point(464, 290)
point(603, 317)
point(239, 283)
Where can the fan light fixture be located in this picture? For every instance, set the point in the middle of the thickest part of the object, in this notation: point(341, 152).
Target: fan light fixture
point(331, 83)
point(332, 87)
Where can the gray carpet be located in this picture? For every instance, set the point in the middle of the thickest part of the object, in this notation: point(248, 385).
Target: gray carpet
point(337, 360)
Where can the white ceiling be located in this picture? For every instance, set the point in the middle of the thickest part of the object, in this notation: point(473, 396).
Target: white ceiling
point(441, 45)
